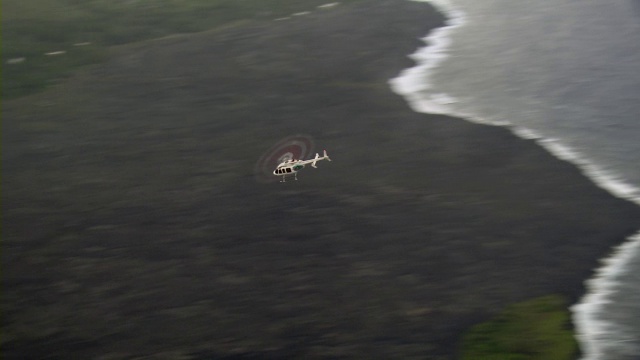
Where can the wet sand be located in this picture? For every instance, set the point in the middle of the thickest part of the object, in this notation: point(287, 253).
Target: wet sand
point(133, 226)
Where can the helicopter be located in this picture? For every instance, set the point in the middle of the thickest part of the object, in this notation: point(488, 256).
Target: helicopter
point(292, 166)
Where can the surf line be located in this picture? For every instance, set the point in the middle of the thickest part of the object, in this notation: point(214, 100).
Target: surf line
point(414, 86)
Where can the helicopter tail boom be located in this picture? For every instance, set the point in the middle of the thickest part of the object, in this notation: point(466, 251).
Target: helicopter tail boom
point(318, 158)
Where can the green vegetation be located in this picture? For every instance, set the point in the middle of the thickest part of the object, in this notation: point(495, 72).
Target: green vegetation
point(83, 29)
point(535, 329)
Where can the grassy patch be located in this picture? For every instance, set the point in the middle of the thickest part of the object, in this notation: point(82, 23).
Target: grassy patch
point(81, 30)
point(535, 329)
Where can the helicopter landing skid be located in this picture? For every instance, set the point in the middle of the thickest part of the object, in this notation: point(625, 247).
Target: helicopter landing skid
point(284, 178)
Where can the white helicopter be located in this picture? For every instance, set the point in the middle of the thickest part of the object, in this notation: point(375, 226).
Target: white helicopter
point(292, 166)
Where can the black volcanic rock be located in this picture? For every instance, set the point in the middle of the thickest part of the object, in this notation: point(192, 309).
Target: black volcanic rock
point(133, 224)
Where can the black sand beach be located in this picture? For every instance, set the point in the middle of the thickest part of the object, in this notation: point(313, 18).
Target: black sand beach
point(133, 226)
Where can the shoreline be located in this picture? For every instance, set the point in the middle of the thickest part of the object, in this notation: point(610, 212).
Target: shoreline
point(358, 224)
point(600, 286)
point(602, 283)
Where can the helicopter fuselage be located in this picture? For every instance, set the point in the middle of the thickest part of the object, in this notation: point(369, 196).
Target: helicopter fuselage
point(288, 167)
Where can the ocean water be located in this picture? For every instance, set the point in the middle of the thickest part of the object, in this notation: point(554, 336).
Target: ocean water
point(566, 73)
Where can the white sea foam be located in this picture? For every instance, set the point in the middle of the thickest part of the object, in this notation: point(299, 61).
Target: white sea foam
point(525, 133)
point(606, 180)
point(414, 84)
point(595, 334)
